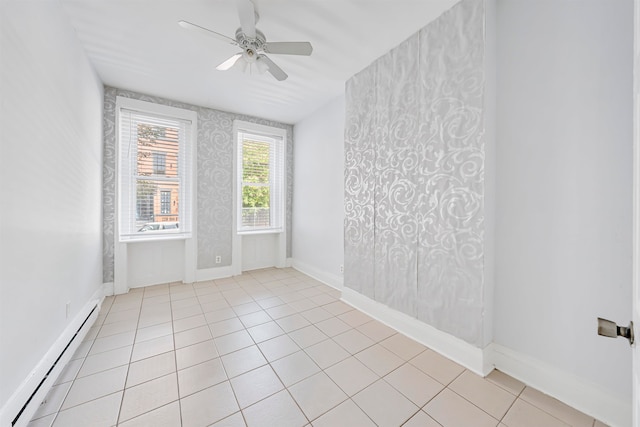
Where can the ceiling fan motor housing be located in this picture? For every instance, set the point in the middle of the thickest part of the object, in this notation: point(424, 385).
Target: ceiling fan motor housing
point(251, 46)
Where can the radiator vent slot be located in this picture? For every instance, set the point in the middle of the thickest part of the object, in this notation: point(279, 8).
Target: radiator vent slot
point(15, 420)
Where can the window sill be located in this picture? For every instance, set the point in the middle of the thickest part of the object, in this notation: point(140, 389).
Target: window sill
point(154, 238)
point(267, 231)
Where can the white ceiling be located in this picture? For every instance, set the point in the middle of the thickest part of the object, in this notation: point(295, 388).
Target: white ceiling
point(138, 45)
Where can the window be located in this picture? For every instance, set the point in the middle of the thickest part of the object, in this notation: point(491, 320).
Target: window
point(159, 163)
point(165, 202)
point(155, 167)
point(261, 178)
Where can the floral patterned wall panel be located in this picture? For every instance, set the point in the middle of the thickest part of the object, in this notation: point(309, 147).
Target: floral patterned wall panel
point(414, 175)
point(214, 153)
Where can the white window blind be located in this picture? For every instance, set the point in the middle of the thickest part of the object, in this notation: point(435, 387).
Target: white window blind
point(261, 180)
point(155, 194)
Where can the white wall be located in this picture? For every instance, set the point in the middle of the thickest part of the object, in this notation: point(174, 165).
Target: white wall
point(318, 193)
point(50, 181)
point(563, 185)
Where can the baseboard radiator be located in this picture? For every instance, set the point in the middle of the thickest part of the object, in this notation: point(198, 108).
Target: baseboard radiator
point(64, 355)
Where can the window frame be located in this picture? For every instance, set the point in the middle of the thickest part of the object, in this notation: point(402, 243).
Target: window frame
point(125, 195)
point(278, 176)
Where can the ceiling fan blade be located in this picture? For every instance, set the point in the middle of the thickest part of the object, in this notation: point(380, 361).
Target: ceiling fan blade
point(247, 13)
point(222, 37)
point(229, 62)
point(273, 68)
point(289, 48)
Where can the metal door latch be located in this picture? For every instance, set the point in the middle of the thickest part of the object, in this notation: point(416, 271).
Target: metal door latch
point(610, 329)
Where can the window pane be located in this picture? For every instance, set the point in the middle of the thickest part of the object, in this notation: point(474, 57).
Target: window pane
point(255, 161)
point(255, 206)
point(157, 205)
point(157, 150)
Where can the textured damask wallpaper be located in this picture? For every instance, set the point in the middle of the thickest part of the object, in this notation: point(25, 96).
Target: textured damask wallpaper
point(214, 153)
point(414, 175)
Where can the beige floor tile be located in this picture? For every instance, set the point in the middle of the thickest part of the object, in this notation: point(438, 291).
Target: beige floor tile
point(246, 308)
point(255, 385)
point(253, 319)
point(104, 361)
point(403, 346)
point(101, 412)
point(523, 414)
point(291, 323)
point(354, 318)
point(208, 406)
point(218, 304)
point(95, 386)
point(112, 342)
point(278, 347)
point(323, 299)
point(327, 353)
point(226, 326)
point(233, 420)
point(295, 367)
point(279, 410)
point(131, 314)
point(219, 315)
point(353, 341)
point(307, 336)
point(265, 331)
point(506, 382)
point(82, 350)
point(70, 371)
point(189, 323)
point(351, 375)
point(303, 304)
point(184, 303)
point(414, 384)
point(484, 394)
point(333, 326)
point(451, 410)
point(316, 315)
point(201, 376)
point(379, 359)
point(317, 395)
point(153, 332)
point(45, 421)
point(384, 404)
point(233, 342)
point(152, 347)
point(437, 366)
point(599, 424)
point(556, 408)
point(149, 396)
point(189, 311)
point(421, 419)
point(376, 331)
point(270, 302)
point(197, 353)
point(165, 416)
point(147, 320)
point(280, 311)
point(242, 361)
point(151, 368)
point(345, 414)
point(117, 328)
point(337, 308)
point(192, 336)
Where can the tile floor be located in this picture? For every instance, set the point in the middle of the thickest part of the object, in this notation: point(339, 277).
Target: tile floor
point(273, 348)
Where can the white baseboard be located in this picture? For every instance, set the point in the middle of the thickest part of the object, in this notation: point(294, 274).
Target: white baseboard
point(467, 355)
point(108, 289)
point(214, 273)
point(330, 279)
point(564, 386)
point(33, 380)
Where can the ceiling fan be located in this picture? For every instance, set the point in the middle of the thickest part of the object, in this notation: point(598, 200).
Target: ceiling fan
point(253, 43)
